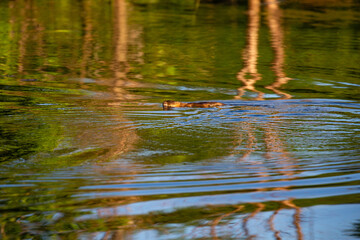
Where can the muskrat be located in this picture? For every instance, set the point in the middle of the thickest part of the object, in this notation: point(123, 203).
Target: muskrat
point(173, 104)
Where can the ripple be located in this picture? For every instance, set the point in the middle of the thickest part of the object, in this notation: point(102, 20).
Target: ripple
point(219, 199)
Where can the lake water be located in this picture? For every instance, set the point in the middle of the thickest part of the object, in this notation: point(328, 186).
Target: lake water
point(87, 152)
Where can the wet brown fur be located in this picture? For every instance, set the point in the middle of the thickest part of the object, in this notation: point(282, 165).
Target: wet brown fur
point(174, 104)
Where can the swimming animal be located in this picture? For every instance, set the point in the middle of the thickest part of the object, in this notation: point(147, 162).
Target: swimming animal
point(168, 104)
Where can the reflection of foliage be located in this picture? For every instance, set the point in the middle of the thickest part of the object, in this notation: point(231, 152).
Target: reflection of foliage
point(355, 198)
point(317, 62)
point(39, 224)
point(211, 212)
point(49, 49)
point(23, 136)
point(59, 218)
point(48, 224)
point(198, 215)
point(38, 52)
point(195, 145)
point(204, 59)
point(32, 51)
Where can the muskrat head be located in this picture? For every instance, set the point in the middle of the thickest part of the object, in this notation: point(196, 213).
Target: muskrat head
point(168, 104)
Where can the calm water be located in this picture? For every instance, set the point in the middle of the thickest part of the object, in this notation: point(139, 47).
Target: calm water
point(87, 152)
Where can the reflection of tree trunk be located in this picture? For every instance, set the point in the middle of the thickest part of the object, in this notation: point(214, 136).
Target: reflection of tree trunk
point(118, 235)
point(39, 37)
point(259, 208)
point(23, 36)
point(249, 76)
point(121, 139)
point(251, 140)
point(272, 140)
point(274, 145)
point(9, 62)
point(250, 55)
point(275, 150)
point(115, 141)
point(296, 221)
point(271, 225)
point(121, 65)
point(30, 30)
point(277, 42)
point(2, 231)
point(120, 62)
point(121, 41)
point(217, 221)
point(88, 38)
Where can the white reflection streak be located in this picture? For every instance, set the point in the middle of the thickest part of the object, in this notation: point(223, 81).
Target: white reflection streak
point(168, 205)
point(277, 42)
point(250, 55)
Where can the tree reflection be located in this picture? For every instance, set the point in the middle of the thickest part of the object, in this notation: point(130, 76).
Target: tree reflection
point(94, 63)
point(275, 148)
point(120, 64)
point(277, 42)
point(249, 75)
point(81, 128)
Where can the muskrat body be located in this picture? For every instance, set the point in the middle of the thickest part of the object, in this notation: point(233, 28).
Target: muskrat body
point(174, 104)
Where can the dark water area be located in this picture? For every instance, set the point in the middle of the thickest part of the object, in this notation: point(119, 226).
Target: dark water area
point(88, 152)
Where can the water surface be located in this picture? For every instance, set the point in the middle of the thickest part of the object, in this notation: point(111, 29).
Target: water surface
point(87, 152)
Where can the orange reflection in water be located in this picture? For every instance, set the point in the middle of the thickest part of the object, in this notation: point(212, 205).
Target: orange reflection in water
point(277, 43)
point(120, 65)
point(249, 75)
point(275, 148)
